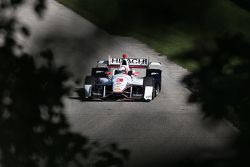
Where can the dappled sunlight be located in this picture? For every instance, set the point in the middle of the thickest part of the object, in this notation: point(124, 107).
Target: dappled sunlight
point(200, 118)
point(33, 126)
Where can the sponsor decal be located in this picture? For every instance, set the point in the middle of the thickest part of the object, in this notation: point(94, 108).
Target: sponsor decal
point(131, 61)
point(119, 80)
point(154, 73)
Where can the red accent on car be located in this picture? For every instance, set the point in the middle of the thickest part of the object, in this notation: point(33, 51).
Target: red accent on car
point(137, 66)
point(119, 80)
point(136, 73)
point(108, 73)
point(117, 66)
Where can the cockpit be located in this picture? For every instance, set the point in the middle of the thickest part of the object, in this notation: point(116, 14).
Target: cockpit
point(119, 72)
point(124, 62)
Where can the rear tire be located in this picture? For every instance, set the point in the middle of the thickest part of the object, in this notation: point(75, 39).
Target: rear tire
point(90, 80)
point(99, 72)
point(156, 75)
point(150, 72)
point(148, 81)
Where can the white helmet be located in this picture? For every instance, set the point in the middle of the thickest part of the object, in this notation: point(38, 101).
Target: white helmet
point(123, 69)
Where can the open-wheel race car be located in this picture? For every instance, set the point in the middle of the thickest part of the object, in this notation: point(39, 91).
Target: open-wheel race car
point(116, 79)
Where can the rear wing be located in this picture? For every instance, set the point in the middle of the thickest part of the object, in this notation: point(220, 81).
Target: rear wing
point(133, 62)
point(102, 63)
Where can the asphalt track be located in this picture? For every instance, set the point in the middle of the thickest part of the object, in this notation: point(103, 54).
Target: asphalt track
point(167, 128)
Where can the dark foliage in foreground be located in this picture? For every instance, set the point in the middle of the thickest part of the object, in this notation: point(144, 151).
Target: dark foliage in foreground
point(245, 4)
point(221, 84)
point(33, 126)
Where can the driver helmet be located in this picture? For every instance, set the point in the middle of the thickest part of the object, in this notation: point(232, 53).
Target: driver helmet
point(123, 69)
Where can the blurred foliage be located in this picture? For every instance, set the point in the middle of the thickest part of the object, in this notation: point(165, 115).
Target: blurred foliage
point(170, 27)
point(111, 13)
point(245, 4)
point(222, 75)
point(117, 14)
point(220, 83)
point(33, 127)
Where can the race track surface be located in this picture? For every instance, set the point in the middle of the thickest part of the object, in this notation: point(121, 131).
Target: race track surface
point(168, 128)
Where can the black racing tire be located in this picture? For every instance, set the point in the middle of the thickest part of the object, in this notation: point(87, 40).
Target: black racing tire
point(156, 75)
point(148, 81)
point(150, 71)
point(101, 73)
point(90, 80)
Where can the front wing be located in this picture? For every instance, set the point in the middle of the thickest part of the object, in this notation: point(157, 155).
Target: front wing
point(105, 92)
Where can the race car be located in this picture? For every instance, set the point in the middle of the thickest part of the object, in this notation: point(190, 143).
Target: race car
point(116, 79)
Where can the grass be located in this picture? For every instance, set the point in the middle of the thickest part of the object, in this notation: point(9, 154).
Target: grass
point(170, 39)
